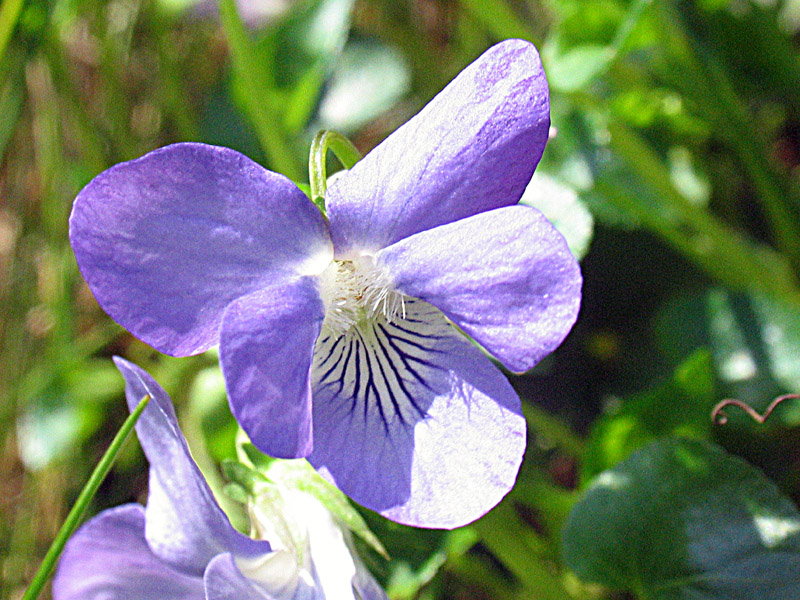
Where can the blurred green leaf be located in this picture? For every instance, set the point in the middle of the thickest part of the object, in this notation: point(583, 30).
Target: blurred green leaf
point(562, 207)
point(312, 35)
point(577, 67)
point(64, 407)
point(367, 80)
point(585, 45)
point(209, 401)
point(679, 407)
point(298, 54)
point(45, 430)
point(755, 344)
point(638, 181)
point(681, 520)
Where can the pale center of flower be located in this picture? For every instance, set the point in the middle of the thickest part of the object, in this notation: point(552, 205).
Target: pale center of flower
point(358, 291)
point(310, 555)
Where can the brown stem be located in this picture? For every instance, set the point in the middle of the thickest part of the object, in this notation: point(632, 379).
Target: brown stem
point(720, 418)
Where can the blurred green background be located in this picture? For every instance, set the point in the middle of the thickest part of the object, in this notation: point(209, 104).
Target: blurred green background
point(674, 172)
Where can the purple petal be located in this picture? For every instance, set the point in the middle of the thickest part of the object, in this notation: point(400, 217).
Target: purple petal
point(185, 525)
point(472, 148)
point(506, 277)
point(108, 557)
point(167, 241)
point(266, 348)
point(411, 420)
point(224, 581)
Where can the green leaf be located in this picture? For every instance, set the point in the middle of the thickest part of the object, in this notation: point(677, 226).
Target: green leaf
point(562, 207)
point(367, 80)
point(577, 67)
point(209, 403)
point(754, 341)
point(680, 406)
point(681, 519)
point(298, 474)
point(311, 36)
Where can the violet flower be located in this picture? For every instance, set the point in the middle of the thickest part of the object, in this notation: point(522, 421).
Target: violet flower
point(336, 336)
point(183, 547)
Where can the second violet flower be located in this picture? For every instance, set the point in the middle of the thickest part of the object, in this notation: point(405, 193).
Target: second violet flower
point(336, 336)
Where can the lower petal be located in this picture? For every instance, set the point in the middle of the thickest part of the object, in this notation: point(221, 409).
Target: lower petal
point(266, 348)
point(109, 558)
point(412, 421)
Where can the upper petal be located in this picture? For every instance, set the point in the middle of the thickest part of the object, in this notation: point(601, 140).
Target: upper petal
point(266, 348)
point(185, 525)
point(472, 148)
point(412, 421)
point(108, 557)
point(167, 241)
point(506, 277)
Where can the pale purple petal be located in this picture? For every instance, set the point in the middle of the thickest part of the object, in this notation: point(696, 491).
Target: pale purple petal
point(472, 148)
point(108, 558)
point(506, 277)
point(266, 348)
point(224, 581)
point(413, 421)
point(185, 525)
point(167, 241)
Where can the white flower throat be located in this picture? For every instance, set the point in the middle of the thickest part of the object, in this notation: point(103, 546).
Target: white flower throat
point(356, 292)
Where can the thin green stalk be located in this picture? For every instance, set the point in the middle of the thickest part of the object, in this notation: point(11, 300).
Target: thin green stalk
point(256, 94)
point(87, 493)
point(341, 147)
point(9, 15)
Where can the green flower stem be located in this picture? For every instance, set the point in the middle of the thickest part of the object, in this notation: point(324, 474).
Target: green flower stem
point(87, 493)
point(257, 93)
point(9, 15)
point(342, 148)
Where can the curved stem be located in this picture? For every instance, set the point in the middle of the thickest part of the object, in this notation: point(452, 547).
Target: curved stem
point(342, 148)
point(720, 418)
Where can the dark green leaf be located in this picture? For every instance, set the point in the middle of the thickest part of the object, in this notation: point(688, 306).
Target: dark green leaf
point(681, 519)
point(680, 406)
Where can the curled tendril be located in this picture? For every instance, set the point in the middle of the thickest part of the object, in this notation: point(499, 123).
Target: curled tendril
point(720, 418)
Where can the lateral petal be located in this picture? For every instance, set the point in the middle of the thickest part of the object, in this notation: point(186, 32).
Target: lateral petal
point(266, 350)
point(472, 148)
point(506, 277)
point(184, 524)
point(412, 421)
point(108, 557)
point(167, 241)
